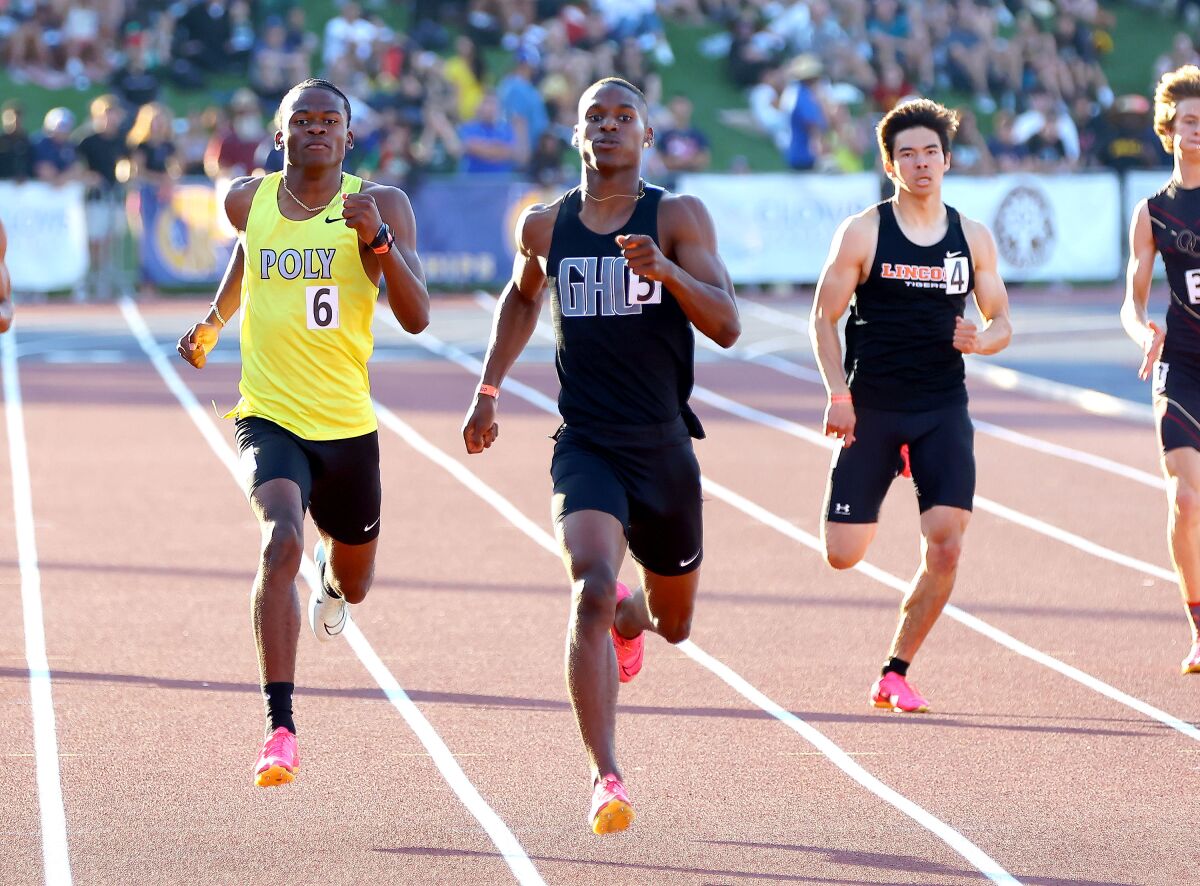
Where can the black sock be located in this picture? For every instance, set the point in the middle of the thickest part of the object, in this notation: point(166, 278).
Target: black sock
point(279, 706)
point(325, 584)
point(899, 665)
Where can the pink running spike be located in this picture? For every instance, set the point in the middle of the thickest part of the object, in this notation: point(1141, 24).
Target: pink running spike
point(895, 693)
point(279, 760)
point(611, 811)
point(629, 652)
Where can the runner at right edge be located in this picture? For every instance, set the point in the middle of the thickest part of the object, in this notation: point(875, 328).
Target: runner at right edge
point(1169, 223)
point(904, 268)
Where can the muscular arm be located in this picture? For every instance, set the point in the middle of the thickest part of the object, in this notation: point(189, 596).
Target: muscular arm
point(401, 268)
point(991, 296)
point(1135, 315)
point(693, 271)
point(513, 324)
point(195, 344)
point(848, 255)
point(852, 249)
point(6, 308)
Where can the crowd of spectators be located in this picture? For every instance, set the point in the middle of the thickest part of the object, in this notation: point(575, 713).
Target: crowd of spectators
point(1029, 68)
point(818, 74)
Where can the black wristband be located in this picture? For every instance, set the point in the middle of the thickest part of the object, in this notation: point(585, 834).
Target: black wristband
point(381, 236)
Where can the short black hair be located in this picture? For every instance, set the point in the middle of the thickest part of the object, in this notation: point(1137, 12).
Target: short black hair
point(624, 84)
point(921, 112)
point(313, 83)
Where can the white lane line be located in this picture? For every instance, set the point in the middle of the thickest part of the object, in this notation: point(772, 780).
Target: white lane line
point(1095, 402)
point(984, 863)
point(786, 528)
point(45, 740)
point(505, 841)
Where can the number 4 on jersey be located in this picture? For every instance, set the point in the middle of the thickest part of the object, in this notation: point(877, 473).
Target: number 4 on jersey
point(321, 304)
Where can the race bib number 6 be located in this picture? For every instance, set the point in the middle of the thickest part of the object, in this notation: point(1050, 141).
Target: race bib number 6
point(322, 306)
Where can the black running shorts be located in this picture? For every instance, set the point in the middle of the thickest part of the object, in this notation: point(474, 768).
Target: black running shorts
point(941, 448)
point(646, 476)
point(1177, 404)
point(338, 479)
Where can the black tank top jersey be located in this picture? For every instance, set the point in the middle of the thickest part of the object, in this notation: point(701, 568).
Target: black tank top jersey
point(900, 351)
point(1175, 221)
point(623, 347)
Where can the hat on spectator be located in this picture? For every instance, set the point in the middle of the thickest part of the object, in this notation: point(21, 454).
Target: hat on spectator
point(59, 120)
point(804, 67)
point(244, 100)
point(1131, 104)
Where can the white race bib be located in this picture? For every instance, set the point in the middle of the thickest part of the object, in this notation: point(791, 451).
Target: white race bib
point(322, 306)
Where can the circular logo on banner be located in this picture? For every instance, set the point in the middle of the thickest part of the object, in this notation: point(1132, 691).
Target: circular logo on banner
point(1024, 227)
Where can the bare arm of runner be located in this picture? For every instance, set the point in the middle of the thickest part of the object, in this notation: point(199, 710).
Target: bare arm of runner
point(1135, 315)
point(849, 253)
point(516, 317)
point(6, 305)
point(991, 298)
point(366, 212)
point(696, 275)
point(195, 344)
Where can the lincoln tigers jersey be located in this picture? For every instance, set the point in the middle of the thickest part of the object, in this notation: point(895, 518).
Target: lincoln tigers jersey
point(623, 346)
point(307, 306)
point(1175, 221)
point(900, 352)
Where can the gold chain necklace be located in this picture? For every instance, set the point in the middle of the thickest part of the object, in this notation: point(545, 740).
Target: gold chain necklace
point(638, 196)
point(283, 181)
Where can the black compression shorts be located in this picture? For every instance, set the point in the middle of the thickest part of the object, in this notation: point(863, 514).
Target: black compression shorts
point(646, 476)
point(1177, 404)
point(941, 448)
point(338, 479)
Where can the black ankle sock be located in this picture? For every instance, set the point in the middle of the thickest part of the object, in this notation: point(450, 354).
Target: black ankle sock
point(899, 665)
point(279, 705)
point(325, 584)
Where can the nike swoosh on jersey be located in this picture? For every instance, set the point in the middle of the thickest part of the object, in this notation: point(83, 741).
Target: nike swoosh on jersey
point(330, 221)
point(948, 254)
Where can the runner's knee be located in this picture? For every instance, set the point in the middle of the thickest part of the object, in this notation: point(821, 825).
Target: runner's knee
point(942, 553)
point(594, 596)
point(674, 627)
point(843, 551)
point(283, 546)
point(353, 589)
point(1185, 503)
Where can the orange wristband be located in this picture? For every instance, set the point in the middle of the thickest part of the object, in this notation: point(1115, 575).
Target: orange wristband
point(490, 390)
point(840, 398)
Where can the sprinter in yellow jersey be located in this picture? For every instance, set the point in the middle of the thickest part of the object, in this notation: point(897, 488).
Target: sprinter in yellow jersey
point(313, 244)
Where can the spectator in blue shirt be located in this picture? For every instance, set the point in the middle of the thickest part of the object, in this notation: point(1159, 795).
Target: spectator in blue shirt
point(808, 119)
point(489, 144)
point(54, 157)
point(520, 99)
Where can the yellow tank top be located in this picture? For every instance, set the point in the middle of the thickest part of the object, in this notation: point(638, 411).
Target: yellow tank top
point(307, 307)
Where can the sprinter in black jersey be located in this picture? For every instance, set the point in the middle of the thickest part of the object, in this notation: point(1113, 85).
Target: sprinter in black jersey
point(1169, 223)
point(631, 269)
point(905, 268)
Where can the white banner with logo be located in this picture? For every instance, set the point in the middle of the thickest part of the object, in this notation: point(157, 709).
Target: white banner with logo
point(1047, 227)
point(776, 228)
point(47, 235)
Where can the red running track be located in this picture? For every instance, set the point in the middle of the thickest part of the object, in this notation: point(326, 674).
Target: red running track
point(145, 550)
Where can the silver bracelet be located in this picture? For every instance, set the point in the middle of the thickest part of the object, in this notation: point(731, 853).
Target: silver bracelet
point(215, 310)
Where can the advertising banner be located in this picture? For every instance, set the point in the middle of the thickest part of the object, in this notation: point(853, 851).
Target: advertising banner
point(181, 241)
point(1047, 227)
point(47, 235)
point(776, 228)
